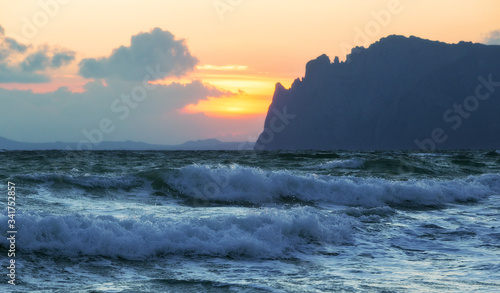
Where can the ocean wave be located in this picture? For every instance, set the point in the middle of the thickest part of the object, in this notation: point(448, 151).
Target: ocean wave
point(269, 233)
point(238, 184)
point(235, 184)
point(85, 181)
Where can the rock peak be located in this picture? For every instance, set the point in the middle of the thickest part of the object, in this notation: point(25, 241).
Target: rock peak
point(318, 66)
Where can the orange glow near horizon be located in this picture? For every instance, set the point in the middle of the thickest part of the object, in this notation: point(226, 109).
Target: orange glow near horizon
point(252, 91)
point(235, 107)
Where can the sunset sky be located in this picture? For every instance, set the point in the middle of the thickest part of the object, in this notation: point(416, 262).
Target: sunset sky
point(170, 71)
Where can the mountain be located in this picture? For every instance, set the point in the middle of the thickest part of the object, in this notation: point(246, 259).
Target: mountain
point(208, 144)
point(399, 93)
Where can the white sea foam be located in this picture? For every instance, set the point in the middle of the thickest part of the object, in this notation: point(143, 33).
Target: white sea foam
point(252, 185)
point(267, 234)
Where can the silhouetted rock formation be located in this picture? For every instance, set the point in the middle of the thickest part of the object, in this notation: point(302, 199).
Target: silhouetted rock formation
point(400, 93)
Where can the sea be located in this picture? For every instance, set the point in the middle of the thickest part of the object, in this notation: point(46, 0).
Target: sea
point(244, 221)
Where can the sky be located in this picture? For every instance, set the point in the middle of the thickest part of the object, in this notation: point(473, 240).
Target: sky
point(165, 72)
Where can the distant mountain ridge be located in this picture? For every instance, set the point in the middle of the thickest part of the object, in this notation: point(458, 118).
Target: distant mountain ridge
point(400, 93)
point(208, 144)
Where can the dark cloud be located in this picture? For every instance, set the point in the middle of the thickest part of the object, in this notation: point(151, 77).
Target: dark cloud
point(45, 58)
point(62, 58)
point(33, 61)
point(151, 49)
point(14, 45)
point(10, 74)
point(3, 54)
point(493, 38)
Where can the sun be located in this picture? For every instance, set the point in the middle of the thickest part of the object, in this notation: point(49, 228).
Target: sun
point(253, 92)
point(239, 106)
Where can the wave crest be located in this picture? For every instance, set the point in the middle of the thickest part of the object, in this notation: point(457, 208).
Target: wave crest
point(268, 234)
point(237, 184)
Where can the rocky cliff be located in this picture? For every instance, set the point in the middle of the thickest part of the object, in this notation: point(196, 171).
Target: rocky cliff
point(400, 93)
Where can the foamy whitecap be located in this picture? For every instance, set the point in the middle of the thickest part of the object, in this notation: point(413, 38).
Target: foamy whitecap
point(268, 234)
point(252, 185)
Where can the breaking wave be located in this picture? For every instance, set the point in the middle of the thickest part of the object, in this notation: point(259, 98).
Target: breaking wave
point(270, 233)
point(236, 184)
point(256, 186)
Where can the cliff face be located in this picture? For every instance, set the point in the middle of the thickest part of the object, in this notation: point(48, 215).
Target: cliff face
point(400, 93)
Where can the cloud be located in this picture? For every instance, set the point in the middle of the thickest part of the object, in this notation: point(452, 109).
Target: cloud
point(63, 115)
point(20, 63)
point(45, 58)
point(492, 38)
point(61, 58)
point(30, 69)
point(14, 45)
point(10, 74)
point(35, 62)
point(151, 49)
point(139, 110)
